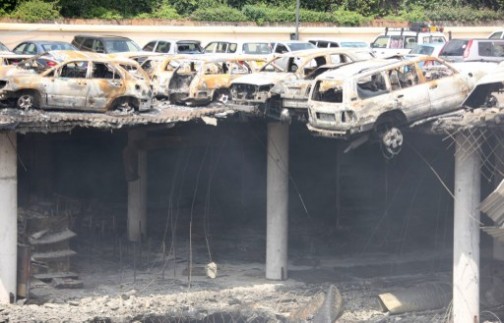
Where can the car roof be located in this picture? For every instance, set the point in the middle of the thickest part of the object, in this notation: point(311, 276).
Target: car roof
point(395, 32)
point(218, 59)
point(103, 36)
point(478, 39)
point(46, 41)
point(176, 41)
point(321, 51)
point(63, 55)
point(350, 70)
point(339, 40)
point(435, 45)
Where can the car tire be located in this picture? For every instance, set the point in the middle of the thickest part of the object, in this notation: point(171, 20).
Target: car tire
point(27, 100)
point(391, 140)
point(222, 96)
point(173, 98)
point(125, 106)
point(491, 101)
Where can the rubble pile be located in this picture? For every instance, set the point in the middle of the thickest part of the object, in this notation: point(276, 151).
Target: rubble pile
point(44, 244)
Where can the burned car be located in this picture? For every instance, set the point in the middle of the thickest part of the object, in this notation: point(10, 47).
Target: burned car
point(160, 70)
point(289, 98)
point(250, 93)
point(382, 96)
point(206, 79)
point(7, 59)
point(39, 63)
point(82, 84)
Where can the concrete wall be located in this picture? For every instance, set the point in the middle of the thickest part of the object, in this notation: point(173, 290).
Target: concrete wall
point(14, 33)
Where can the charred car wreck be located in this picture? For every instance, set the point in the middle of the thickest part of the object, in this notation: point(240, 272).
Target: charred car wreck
point(203, 80)
point(383, 96)
point(160, 70)
point(288, 78)
point(82, 84)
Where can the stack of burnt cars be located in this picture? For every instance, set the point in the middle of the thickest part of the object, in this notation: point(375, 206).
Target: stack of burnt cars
point(338, 92)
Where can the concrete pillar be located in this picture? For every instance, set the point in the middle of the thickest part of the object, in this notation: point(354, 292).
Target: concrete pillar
point(498, 247)
point(466, 247)
point(137, 189)
point(8, 217)
point(277, 196)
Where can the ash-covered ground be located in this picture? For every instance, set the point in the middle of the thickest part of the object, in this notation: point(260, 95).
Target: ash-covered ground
point(150, 287)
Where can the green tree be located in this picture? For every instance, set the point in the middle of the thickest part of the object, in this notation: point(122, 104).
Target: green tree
point(35, 11)
point(8, 6)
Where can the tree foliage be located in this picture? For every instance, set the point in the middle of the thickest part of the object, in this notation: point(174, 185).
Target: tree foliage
point(35, 11)
point(343, 12)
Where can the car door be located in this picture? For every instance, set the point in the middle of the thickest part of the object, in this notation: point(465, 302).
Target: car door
point(20, 48)
point(68, 88)
point(408, 91)
point(150, 46)
point(163, 47)
point(104, 85)
point(447, 88)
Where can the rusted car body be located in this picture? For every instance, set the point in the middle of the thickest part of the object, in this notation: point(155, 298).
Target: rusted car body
point(251, 92)
point(203, 80)
point(42, 62)
point(289, 98)
point(160, 70)
point(384, 95)
point(98, 84)
point(7, 59)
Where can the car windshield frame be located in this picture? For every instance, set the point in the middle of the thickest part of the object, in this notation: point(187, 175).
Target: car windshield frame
point(111, 45)
point(422, 50)
point(4, 48)
point(300, 46)
point(59, 46)
point(353, 44)
point(455, 47)
point(193, 47)
point(262, 48)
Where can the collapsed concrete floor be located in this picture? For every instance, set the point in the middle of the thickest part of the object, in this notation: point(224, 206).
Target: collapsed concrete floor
point(356, 221)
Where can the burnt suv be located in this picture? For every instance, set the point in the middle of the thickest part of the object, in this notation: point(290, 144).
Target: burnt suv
point(105, 44)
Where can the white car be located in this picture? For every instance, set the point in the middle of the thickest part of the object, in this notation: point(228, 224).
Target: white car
point(382, 96)
point(344, 43)
point(282, 47)
point(238, 47)
point(401, 41)
point(250, 93)
point(167, 46)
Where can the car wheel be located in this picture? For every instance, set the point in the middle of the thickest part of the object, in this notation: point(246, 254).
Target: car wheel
point(125, 106)
point(26, 101)
point(222, 96)
point(391, 139)
point(490, 101)
point(173, 98)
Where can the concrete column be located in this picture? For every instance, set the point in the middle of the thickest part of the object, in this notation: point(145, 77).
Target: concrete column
point(137, 189)
point(277, 200)
point(8, 217)
point(498, 247)
point(466, 247)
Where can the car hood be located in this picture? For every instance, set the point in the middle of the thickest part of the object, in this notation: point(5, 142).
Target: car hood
point(485, 85)
point(263, 78)
point(476, 69)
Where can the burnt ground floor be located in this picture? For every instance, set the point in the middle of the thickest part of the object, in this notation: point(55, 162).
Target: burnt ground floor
point(157, 288)
point(358, 221)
